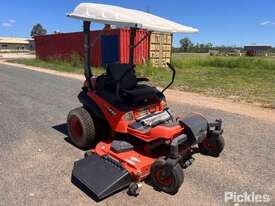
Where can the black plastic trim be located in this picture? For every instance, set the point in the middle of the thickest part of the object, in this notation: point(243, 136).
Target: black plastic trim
point(174, 146)
point(90, 104)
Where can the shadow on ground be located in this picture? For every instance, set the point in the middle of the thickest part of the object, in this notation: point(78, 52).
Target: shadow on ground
point(63, 129)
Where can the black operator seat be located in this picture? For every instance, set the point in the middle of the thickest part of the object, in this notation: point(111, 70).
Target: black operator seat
point(125, 82)
point(120, 81)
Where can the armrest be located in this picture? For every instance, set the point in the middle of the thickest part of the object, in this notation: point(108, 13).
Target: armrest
point(142, 79)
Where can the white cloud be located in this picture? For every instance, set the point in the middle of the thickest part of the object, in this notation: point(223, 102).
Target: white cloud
point(265, 23)
point(12, 21)
point(6, 24)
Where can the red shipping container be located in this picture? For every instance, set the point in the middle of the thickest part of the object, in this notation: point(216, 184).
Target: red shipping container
point(64, 45)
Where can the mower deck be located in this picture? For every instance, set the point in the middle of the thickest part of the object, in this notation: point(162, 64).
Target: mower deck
point(100, 175)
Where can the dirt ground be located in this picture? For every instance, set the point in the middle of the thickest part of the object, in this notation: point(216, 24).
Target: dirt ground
point(10, 56)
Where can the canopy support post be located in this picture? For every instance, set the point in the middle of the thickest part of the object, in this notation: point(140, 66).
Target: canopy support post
point(132, 45)
point(87, 53)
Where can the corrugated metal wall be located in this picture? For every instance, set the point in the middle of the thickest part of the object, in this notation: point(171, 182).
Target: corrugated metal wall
point(141, 51)
point(63, 45)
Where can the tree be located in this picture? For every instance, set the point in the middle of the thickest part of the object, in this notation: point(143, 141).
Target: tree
point(37, 29)
point(185, 43)
point(209, 45)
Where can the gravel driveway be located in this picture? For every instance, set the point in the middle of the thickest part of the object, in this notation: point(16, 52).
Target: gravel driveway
point(36, 160)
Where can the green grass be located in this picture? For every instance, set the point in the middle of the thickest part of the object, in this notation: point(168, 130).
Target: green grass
point(238, 78)
point(74, 66)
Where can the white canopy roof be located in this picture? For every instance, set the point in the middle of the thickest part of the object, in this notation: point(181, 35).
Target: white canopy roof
point(115, 15)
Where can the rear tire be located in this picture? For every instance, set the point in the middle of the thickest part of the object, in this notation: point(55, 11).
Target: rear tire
point(81, 128)
point(169, 184)
point(102, 128)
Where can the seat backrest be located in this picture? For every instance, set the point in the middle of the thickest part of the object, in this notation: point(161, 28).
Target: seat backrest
point(124, 74)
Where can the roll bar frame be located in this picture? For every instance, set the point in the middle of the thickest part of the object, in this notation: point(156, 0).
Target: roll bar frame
point(87, 53)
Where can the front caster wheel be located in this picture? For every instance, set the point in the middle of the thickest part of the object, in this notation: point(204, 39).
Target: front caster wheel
point(88, 153)
point(168, 183)
point(212, 145)
point(134, 189)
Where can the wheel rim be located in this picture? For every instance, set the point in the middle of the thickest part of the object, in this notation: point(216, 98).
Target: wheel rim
point(76, 128)
point(208, 145)
point(165, 181)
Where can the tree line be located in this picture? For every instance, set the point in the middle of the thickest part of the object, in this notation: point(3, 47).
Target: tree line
point(37, 30)
point(187, 46)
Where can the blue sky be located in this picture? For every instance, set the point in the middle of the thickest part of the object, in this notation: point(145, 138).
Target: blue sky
point(221, 22)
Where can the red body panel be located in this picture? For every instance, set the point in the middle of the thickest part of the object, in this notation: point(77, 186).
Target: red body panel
point(137, 164)
point(157, 132)
point(118, 123)
point(63, 45)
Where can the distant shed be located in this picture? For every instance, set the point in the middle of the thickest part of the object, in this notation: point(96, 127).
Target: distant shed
point(259, 50)
point(15, 44)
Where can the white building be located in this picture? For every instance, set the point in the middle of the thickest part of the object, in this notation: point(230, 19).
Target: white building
point(15, 44)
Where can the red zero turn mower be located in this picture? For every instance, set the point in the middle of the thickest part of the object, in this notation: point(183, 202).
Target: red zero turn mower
point(138, 136)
